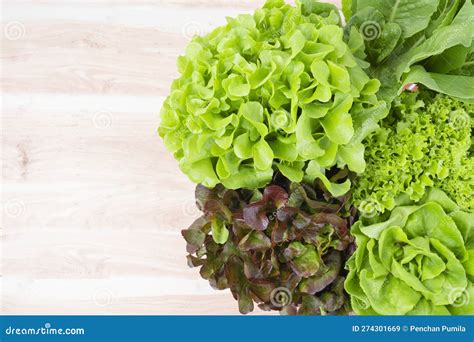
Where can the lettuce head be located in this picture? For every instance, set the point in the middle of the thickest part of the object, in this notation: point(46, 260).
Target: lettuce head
point(417, 259)
point(426, 141)
point(278, 90)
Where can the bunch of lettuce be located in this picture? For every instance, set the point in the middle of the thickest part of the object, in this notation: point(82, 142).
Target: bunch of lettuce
point(411, 41)
point(416, 260)
point(424, 142)
point(283, 247)
point(278, 90)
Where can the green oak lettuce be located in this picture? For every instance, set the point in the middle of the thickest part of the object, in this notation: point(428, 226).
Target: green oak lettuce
point(416, 260)
point(276, 90)
point(425, 141)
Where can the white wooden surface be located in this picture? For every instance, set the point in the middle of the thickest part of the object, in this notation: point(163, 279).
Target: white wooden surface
point(92, 203)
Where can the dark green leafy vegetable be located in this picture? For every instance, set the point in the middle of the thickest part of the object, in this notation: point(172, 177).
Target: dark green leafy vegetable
point(285, 249)
point(436, 36)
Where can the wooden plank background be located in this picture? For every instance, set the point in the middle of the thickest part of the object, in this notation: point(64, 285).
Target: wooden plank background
point(92, 203)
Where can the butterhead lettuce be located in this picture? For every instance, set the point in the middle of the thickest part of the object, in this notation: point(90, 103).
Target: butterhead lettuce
point(276, 90)
point(417, 259)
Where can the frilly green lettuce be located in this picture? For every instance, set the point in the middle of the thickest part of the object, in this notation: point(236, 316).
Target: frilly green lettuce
point(416, 260)
point(424, 142)
point(276, 90)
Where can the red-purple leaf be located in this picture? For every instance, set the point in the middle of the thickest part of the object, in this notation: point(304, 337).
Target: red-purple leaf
point(255, 216)
point(256, 241)
point(280, 236)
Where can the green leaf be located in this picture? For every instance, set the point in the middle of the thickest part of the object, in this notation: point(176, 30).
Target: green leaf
point(411, 16)
point(353, 156)
point(243, 146)
point(247, 177)
point(461, 87)
point(262, 155)
point(339, 77)
point(306, 263)
point(201, 172)
point(297, 42)
point(220, 234)
point(338, 122)
point(321, 280)
point(313, 172)
point(347, 8)
point(236, 87)
point(458, 33)
point(451, 59)
point(292, 171)
point(388, 295)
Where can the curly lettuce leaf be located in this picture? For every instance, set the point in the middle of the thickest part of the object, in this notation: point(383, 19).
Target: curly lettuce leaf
point(424, 142)
point(271, 92)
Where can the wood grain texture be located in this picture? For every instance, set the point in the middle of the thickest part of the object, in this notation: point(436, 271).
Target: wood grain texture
point(92, 203)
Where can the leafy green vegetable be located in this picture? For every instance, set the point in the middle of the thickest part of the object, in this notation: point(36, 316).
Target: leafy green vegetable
point(415, 260)
point(284, 246)
point(435, 34)
point(458, 86)
point(277, 90)
point(424, 142)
